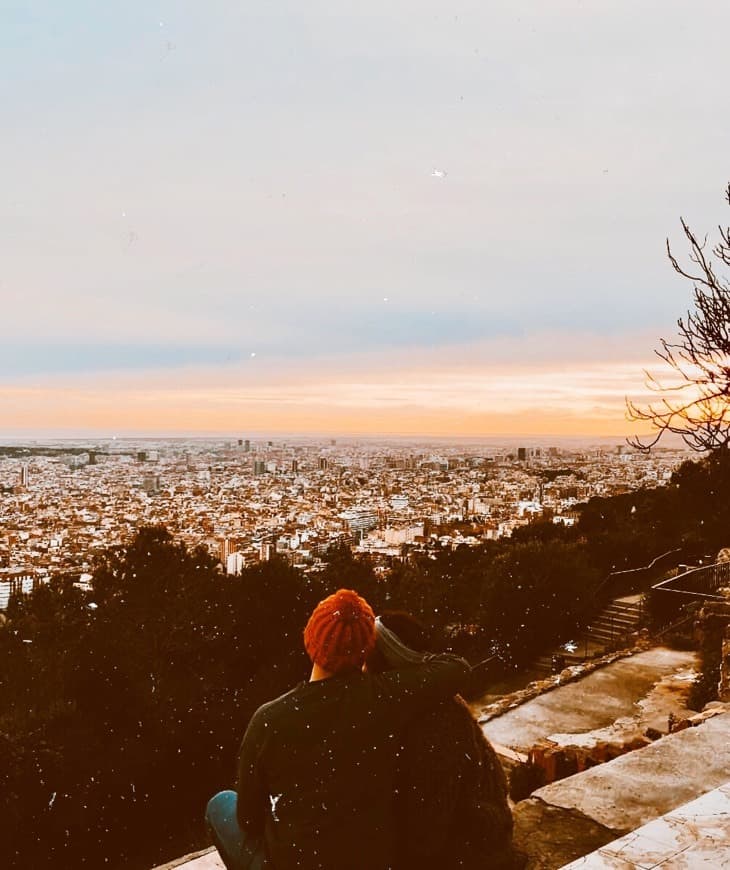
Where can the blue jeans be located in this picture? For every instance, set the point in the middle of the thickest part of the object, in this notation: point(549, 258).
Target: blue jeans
point(239, 850)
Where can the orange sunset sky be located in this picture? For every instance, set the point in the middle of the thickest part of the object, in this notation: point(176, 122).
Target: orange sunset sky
point(333, 218)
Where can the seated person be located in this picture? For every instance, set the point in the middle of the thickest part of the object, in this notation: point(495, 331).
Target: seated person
point(451, 792)
point(316, 766)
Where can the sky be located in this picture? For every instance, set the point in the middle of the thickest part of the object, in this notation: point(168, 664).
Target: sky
point(331, 217)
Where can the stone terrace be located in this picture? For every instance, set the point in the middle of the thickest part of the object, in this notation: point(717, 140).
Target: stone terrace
point(208, 859)
point(696, 834)
point(571, 818)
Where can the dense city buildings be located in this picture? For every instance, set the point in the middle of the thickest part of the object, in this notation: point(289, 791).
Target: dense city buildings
point(247, 500)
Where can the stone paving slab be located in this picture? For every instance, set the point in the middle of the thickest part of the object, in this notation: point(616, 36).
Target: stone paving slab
point(585, 813)
point(553, 836)
point(208, 859)
point(635, 788)
point(694, 835)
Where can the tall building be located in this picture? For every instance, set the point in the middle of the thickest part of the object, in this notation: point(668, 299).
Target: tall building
point(225, 548)
point(235, 563)
point(23, 476)
point(323, 463)
point(247, 446)
point(259, 467)
point(522, 454)
point(151, 484)
point(266, 549)
point(360, 520)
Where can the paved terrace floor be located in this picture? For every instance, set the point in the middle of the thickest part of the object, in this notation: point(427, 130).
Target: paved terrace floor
point(694, 835)
point(205, 860)
point(586, 812)
point(614, 702)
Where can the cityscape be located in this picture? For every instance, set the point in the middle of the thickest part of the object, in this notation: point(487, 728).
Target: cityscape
point(248, 500)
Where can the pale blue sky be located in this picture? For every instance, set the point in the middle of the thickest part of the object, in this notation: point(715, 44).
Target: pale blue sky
point(185, 183)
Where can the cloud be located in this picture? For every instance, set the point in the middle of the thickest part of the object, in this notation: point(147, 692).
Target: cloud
point(266, 185)
point(394, 395)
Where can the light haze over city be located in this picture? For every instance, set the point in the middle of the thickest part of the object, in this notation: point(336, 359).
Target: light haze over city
point(386, 218)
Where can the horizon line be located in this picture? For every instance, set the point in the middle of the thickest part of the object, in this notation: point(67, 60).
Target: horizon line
point(75, 435)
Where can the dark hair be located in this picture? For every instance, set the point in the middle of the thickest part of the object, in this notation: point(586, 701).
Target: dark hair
point(410, 630)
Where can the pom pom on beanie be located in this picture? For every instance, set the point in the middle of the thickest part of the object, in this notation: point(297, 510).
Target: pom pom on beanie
point(341, 632)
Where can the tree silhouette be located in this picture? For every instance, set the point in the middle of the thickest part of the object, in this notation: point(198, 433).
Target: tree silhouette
point(694, 400)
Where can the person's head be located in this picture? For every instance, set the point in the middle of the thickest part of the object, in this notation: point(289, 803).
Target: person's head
point(340, 632)
point(409, 630)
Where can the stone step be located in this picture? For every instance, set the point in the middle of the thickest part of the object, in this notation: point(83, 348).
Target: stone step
point(611, 628)
point(618, 620)
point(625, 614)
point(617, 617)
point(627, 605)
point(629, 613)
point(605, 637)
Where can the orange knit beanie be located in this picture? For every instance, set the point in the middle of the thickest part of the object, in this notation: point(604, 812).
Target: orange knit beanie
point(341, 632)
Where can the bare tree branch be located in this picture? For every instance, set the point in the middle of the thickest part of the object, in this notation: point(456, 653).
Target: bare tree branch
point(695, 402)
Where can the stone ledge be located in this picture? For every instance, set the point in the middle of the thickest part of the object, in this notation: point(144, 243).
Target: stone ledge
point(206, 859)
point(579, 815)
point(633, 789)
point(552, 836)
point(695, 834)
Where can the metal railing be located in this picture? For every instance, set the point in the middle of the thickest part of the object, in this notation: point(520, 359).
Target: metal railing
point(634, 581)
point(698, 583)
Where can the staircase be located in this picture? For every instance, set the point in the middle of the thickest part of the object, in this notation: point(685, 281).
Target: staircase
point(609, 628)
point(615, 622)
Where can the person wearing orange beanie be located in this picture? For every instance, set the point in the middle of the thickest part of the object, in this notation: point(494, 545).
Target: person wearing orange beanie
point(340, 633)
point(316, 769)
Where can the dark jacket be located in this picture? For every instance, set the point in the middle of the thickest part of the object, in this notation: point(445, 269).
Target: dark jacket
point(451, 804)
point(317, 765)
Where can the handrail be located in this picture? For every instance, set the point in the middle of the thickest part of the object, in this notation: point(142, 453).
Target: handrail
point(673, 626)
point(646, 567)
point(700, 582)
point(623, 578)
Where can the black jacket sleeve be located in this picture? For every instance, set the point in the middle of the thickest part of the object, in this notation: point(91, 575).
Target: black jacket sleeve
point(253, 795)
point(417, 688)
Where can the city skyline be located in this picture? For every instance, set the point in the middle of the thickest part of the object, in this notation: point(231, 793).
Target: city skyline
point(399, 220)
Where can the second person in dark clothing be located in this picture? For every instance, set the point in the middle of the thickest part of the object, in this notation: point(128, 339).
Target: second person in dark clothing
point(451, 801)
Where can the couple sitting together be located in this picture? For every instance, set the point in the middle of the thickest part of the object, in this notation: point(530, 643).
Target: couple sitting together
point(375, 763)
